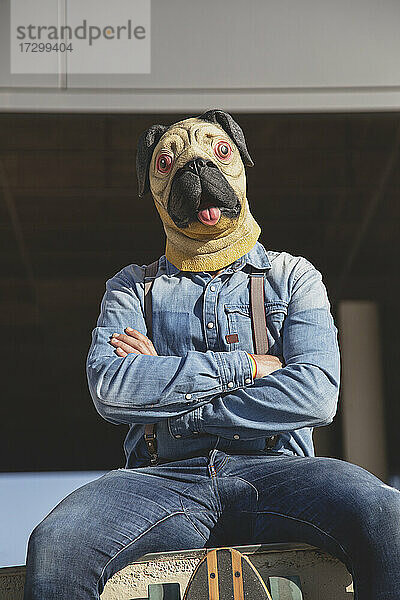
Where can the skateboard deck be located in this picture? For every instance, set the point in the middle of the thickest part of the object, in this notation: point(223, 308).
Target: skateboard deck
point(226, 574)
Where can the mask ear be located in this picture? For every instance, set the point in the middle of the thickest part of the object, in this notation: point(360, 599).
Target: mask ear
point(228, 124)
point(146, 144)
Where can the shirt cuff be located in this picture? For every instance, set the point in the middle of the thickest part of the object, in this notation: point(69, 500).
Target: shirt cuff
point(236, 371)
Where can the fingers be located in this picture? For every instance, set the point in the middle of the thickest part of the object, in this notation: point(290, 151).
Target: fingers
point(127, 348)
point(121, 352)
point(133, 333)
point(142, 338)
point(135, 342)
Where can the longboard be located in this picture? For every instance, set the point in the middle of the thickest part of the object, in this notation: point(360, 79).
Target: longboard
point(226, 574)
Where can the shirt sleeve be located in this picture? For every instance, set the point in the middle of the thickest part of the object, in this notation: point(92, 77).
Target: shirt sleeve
point(143, 389)
point(304, 393)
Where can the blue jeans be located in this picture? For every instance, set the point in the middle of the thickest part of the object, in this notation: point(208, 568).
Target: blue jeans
point(216, 500)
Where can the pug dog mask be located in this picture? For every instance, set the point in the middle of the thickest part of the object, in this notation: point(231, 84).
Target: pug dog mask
point(195, 170)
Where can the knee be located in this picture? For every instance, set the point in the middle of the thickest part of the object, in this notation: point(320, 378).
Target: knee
point(383, 507)
point(376, 515)
point(365, 505)
point(42, 537)
point(56, 548)
point(53, 536)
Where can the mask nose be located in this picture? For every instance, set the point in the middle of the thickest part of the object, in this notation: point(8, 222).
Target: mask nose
point(196, 165)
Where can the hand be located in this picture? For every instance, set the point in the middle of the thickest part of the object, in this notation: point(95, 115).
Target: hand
point(133, 342)
point(266, 364)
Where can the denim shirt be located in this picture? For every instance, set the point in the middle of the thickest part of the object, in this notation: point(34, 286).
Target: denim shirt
point(199, 390)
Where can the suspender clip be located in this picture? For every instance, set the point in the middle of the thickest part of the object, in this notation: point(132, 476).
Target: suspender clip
point(150, 438)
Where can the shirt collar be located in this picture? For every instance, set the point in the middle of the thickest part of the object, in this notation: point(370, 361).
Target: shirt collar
point(257, 257)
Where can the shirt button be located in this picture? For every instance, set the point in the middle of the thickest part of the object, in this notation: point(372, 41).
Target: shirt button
point(230, 384)
point(248, 380)
point(236, 437)
point(212, 288)
point(210, 325)
point(188, 396)
point(178, 436)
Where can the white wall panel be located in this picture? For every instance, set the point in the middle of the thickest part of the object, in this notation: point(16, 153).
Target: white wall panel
point(268, 44)
point(15, 81)
point(259, 55)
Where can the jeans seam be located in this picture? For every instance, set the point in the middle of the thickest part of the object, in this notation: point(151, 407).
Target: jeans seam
point(169, 428)
point(250, 484)
point(214, 480)
point(133, 541)
point(190, 520)
point(216, 443)
point(222, 464)
point(270, 512)
point(197, 418)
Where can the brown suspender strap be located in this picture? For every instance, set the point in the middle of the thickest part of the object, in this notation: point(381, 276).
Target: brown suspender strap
point(150, 436)
point(149, 275)
point(259, 325)
point(258, 320)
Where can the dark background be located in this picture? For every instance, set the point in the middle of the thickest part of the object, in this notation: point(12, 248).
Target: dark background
point(324, 186)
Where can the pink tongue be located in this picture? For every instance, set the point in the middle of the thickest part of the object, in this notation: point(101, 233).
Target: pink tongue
point(209, 215)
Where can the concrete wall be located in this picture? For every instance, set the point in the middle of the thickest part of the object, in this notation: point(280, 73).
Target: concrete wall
point(320, 575)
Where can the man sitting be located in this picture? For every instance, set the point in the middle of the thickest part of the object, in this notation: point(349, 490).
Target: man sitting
point(219, 449)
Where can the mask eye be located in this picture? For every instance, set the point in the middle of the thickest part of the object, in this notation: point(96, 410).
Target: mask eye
point(223, 150)
point(164, 162)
